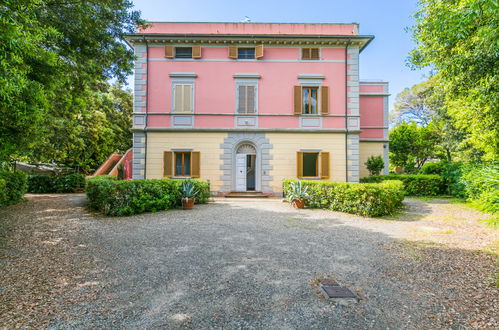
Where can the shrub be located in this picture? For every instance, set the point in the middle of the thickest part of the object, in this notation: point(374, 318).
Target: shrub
point(451, 174)
point(15, 185)
point(481, 184)
point(365, 199)
point(414, 184)
point(375, 165)
point(42, 184)
point(119, 197)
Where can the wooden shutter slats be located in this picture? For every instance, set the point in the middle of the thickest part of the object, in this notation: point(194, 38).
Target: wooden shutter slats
point(250, 99)
point(196, 51)
point(195, 164)
point(169, 51)
point(232, 52)
point(324, 100)
point(299, 164)
point(187, 98)
point(325, 165)
point(177, 98)
point(241, 102)
point(314, 53)
point(167, 164)
point(297, 100)
point(259, 51)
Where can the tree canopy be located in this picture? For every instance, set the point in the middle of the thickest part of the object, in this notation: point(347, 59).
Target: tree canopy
point(54, 57)
point(459, 40)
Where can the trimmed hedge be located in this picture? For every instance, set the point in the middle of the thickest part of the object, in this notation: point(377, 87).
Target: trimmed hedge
point(365, 199)
point(414, 184)
point(13, 186)
point(43, 184)
point(451, 173)
point(127, 197)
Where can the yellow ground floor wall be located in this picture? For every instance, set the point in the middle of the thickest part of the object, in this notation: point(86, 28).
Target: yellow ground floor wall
point(283, 154)
point(368, 149)
point(286, 145)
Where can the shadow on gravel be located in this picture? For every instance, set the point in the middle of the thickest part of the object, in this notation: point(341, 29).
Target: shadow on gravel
point(413, 210)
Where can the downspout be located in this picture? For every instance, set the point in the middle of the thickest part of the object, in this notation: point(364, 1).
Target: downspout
point(147, 106)
point(346, 110)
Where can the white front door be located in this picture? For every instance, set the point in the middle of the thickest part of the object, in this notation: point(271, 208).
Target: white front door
point(240, 172)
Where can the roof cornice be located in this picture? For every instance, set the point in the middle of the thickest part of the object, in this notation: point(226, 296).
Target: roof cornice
point(230, 39)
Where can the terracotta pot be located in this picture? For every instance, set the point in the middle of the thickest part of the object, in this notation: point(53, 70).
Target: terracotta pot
point(187, 203)
point(299, 203)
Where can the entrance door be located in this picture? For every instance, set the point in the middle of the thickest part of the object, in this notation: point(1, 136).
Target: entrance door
point(241, 172)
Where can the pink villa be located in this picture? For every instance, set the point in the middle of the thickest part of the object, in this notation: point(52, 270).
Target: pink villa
point(247, 105)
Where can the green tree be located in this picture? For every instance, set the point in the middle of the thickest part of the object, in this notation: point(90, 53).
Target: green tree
point(375, 164)
point(459, 40)
point(412, 145)
point(54, 55)
point(414, 104)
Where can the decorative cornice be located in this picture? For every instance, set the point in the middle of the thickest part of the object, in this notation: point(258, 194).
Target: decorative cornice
point(279, 130)
point(234, 39)
point(183, 75)
point(311, 76)
point(246, 75)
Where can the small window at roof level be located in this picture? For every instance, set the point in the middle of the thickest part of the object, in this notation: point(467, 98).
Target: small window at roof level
point(310, 54)
point(183, 52)
point(246, 53)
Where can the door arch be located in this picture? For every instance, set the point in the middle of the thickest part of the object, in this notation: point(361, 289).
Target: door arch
point(247, 167)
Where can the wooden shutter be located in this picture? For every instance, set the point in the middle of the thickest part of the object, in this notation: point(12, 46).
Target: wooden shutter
point(314, 53)
point(187, 98)
point(195, 164)
point(299, 164)
point(177, 98)
point(325, 165)
point(167, 164)
point(298, 101)
point(250, 99)
point(241, 102)
point(169, 51)
point(324, 100)
point(305, 53)
point(233, 52)
point(196, 51)
point(182, 98)
point(259, 51)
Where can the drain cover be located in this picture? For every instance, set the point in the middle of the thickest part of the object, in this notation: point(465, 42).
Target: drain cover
point(329, 282)
point(338, 292)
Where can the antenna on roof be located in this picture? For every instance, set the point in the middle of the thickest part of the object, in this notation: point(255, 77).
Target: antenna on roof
point(246, 19)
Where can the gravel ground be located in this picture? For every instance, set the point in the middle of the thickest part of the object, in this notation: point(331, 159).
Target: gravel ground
point(244, 264)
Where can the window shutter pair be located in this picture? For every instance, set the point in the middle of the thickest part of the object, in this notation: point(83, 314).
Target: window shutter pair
point(170, 52)
point(233, 52)
point(182, 98)
point(246, 99)
point(298, 104)
point(168, 164)
point(310, 54)
point(324, 170)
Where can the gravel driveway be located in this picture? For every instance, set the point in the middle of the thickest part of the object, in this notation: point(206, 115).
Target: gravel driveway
point(236, 264)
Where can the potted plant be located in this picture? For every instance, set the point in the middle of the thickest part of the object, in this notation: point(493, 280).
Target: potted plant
point(297, 194)
point(189, 193)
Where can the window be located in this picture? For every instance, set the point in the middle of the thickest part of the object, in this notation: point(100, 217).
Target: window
point(246, 53)
point(312, 165)
point(310, 54)
point(182, 164)
point(183, 52)
point(309, 100)
point(246, 99)
point(182, 97)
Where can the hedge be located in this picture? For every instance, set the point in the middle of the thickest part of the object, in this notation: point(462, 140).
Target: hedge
point(414, 184)
point(481, 184)
point(43, 184)
point(127, 197)
point(13, 186)
point(451, 173)
point(365, 199)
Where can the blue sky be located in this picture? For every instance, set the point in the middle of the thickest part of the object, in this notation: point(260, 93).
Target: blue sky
point(385, 58)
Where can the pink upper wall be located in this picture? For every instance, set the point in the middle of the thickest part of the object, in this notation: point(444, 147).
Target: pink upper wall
point(251, 28)
point(215, 84)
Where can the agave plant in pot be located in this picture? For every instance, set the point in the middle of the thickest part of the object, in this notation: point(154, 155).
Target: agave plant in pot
point(297, 194)
point(189, 193)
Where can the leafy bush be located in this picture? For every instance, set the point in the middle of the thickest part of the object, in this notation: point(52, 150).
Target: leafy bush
point(451, 174)
point(13, 186)
point(414, 184)
point(42, 184)
point(119, 197)
point(375, 165)
point(365, 199)
point(481, 184)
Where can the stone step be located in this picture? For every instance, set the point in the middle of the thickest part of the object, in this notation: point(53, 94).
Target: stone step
point(246, 194)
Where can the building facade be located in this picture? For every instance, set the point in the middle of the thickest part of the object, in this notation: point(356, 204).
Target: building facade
point(246, 105)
